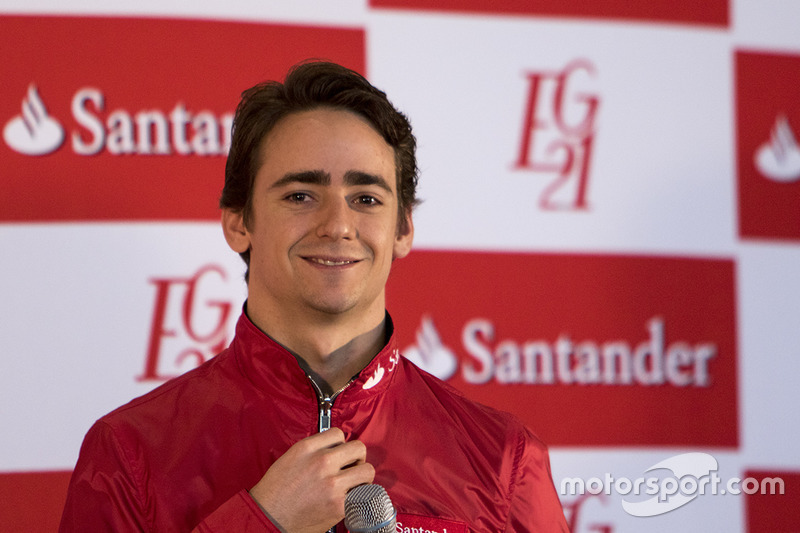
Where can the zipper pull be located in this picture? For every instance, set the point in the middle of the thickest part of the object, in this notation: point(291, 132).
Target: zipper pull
point(325, 405)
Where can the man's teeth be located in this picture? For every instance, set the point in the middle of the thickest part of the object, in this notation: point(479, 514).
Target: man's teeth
point(328, 262)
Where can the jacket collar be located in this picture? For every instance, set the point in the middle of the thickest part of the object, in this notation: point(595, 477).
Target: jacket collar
point(274, 370)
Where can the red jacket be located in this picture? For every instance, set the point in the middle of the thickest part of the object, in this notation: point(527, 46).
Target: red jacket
point(183, 456)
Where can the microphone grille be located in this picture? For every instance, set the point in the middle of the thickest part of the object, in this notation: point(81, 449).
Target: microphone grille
point(368, 509)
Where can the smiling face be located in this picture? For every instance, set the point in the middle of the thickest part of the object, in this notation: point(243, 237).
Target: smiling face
point(323, 229)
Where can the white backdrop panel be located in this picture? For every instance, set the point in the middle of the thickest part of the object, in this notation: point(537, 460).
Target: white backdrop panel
point(661, 174)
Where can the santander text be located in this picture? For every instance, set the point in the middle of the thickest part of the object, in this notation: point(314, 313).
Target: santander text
point(651, 362)
point(148, 131)
point(400, 529)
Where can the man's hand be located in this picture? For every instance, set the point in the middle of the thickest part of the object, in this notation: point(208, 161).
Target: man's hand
point(304, 490)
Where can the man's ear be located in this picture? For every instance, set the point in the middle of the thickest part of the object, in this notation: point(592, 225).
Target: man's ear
point(404, 238)
point(235, 231)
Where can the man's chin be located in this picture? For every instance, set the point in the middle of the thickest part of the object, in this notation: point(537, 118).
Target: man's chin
point(333, 307)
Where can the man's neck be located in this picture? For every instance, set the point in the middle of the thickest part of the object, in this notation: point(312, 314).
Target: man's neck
point(330, 349)
point(333, 371)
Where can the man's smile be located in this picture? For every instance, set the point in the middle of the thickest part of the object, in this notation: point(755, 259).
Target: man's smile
point(331, 261)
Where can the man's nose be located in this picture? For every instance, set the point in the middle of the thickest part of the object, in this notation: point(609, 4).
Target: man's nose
point(337, 220)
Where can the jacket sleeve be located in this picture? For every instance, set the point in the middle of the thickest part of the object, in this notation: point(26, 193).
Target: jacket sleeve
point(107, 493)
point(240, 513)
point(535, 506)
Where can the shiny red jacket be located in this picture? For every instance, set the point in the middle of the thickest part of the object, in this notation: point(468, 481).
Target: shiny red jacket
point(182, 457)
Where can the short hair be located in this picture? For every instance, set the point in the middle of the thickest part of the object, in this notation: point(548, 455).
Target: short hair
point(310, 85)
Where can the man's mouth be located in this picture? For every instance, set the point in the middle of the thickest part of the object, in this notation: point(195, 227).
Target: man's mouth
point(331, 262)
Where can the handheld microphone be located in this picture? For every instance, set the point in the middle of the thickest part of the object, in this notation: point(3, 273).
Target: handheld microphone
point(368, 509)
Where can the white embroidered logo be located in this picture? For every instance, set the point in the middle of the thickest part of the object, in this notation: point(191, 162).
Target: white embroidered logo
point(375, 378)
point(34, 132)
point(394, 359)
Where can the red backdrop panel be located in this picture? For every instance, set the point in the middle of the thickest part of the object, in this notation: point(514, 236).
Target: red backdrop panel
point(712, 12)
point(768, 154)
point(99, 84)
point(32, 502)
point(630, 350)
point(769, 512)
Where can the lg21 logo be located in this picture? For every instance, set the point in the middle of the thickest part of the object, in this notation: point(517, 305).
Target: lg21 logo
point(558, 134)
point(191, 321)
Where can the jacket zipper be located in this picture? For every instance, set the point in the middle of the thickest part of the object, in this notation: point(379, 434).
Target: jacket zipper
point(325, 403)
point(325, 406)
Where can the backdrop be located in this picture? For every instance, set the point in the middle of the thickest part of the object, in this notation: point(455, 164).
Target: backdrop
point(609, 244)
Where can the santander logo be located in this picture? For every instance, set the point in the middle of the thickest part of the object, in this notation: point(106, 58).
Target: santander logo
point(779, 158)
point(379, 372)
point(376, 378)
point(34, 132)
point(653, 361)
point(149, 131)
point(430, 354)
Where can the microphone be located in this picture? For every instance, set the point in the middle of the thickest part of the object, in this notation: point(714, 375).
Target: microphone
point(368, 509)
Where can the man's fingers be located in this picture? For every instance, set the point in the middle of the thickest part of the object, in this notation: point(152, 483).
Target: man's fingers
point(358, 475)
point(337, 486)
point(317, 442)
point(348, 453)
point(325, 439)
point(331, 461)
point(330, 452)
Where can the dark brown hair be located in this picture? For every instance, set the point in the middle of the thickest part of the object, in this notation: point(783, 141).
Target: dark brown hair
point(307, 86)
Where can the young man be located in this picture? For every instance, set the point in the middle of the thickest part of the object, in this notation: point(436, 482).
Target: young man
point(312, 398)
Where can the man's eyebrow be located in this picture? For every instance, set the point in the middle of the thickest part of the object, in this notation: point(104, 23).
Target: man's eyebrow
point(320, 177)
point(310, 177)
point(355, 177)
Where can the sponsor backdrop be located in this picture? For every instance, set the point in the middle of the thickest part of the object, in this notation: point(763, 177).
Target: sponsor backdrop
point(609, 244)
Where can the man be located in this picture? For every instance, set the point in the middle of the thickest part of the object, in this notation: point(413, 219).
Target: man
point(312, 398)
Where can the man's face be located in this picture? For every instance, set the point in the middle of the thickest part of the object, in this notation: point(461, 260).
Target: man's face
point(324, 227)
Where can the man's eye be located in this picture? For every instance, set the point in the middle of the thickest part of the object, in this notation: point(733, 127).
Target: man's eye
point(298, 197)
point(367, 200)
